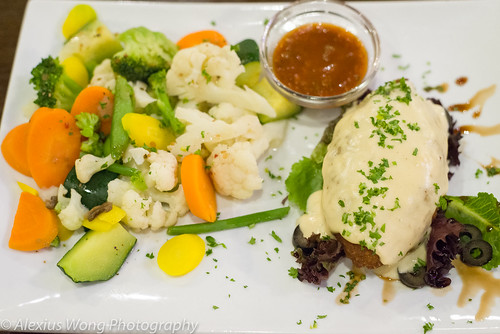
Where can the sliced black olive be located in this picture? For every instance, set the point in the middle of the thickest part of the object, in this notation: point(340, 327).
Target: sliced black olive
point(469, 233)
point(298, 239)
point(414, 280)
point(476, 253)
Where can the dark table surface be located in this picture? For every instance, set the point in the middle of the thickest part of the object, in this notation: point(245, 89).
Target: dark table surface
point(11, 16)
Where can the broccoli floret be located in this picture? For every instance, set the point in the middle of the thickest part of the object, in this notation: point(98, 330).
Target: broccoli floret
point(89, 125)
point(54, 87)
point(144, 53)
point(157, 83)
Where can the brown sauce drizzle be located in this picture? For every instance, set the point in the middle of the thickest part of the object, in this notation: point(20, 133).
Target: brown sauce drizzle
point(461, 81)
point(351, 287)
point(442, 88)
point(477, 100)
point(495, 163)
point(474, 280)
point(389, 290)
point(482, 130)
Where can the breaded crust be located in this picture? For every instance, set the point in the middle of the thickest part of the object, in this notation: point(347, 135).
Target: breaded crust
point(360, 256)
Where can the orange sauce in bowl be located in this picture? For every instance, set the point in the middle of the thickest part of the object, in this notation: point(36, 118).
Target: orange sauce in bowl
point(320, 59)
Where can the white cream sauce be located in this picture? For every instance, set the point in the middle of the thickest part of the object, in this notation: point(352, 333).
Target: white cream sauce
point(313, 221)
point(414, 173)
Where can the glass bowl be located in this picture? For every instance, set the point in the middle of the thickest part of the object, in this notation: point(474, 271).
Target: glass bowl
point(320, 11)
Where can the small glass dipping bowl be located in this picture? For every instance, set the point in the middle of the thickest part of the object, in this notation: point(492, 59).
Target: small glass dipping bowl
point(320, 11)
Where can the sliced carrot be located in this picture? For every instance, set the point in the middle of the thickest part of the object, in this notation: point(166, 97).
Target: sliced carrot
point(14, 149)
point(202, 36)
point(95, 100)
point(35, 226)
point(198, 188)
point(53, 146)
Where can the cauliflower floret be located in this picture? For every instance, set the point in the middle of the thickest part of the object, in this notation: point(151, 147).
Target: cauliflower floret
point(159, 168)
point(72, 211)
point(234, 170)
point(135, 155)
point(150, 209)
point(203, 129)
point(227, 112)
point(207, 73)
point(104, 75)
point(162, 170)
point(142, 98)
point(175, 200)
point(89, 164)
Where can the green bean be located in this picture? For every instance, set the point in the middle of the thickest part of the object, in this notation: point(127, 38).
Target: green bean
point(226, 224)
point(123, 104)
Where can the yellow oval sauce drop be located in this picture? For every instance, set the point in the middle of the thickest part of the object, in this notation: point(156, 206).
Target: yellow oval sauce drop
point(320, 59)
point(181, 254)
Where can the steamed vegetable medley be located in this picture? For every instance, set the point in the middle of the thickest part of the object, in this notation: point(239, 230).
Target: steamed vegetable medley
point(134, 131)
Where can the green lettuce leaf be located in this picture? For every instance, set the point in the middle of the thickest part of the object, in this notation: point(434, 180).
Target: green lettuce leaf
point(304, 179)
point(482, 211)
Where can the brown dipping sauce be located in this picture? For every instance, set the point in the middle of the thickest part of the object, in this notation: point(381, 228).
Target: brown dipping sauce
point(320, 59)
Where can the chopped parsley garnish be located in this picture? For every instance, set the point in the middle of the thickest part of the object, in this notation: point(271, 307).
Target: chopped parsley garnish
point(386, 89)
point(376, 173)
point(415, 151)
point(211, 242)
point(436, 188)
point(150, 255)
point(478, 173)
point(275, 236)
point(428, 327)
point(430, 307)
point(341, 203)
point(420, 264)
point(293, 272)
point(252, 241)
point(413, 126)
point(396, 204)
point(215, 307)
point(492, 171)
point(207, 76)
point(349, 286)
point(271, 175)
point(321, 316)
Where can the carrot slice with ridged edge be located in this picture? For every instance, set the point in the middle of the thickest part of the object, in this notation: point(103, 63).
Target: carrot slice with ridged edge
point(53, 145)
point(14, 148)
point(35, 226)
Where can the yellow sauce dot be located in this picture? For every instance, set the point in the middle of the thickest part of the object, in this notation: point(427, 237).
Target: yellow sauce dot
point(181, 254)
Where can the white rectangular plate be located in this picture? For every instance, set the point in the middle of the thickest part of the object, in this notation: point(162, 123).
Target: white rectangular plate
point(428, 42)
